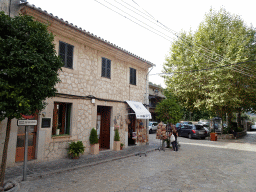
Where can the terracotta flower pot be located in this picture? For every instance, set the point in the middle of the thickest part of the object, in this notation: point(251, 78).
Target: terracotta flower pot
point(116, 146)
point(94, 149)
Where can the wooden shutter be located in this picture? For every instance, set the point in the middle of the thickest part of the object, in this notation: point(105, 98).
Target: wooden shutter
point(108, 68)
point(103, 70)
point(62, 48)
point(70, 56)
point(66, 53)
point(132, 76)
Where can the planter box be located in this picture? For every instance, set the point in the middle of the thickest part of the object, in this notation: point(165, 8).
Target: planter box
point(94, 149)
point(213, 136)
point(116, 146)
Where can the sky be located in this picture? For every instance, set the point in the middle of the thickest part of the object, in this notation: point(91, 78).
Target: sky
point(145, 28)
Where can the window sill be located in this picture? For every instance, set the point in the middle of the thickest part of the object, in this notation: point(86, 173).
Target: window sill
point(60, 136)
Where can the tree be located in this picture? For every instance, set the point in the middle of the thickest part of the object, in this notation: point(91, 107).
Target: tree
point(168, 110)
point(223, 44)
point(29, 69)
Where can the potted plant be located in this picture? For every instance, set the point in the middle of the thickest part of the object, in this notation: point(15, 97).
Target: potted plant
point(121, 146)
point(116, 146)
point(75, 149)
point(57, 131)
point(94, 141)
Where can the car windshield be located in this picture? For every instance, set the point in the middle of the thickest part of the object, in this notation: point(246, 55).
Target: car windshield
point(199, 127)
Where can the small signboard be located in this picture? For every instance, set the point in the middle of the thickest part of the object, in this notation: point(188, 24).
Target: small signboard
point(46, 122)
point(26, 122)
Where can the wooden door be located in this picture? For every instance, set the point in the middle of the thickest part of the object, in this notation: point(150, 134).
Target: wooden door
point(20, 147)
point(105, 127)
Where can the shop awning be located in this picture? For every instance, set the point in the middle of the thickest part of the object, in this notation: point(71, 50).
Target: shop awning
point(139, 109)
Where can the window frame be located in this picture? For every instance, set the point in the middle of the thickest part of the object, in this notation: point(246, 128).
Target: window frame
point(104, 65)
point(133, 76)
point(66, 54)
point(66, 121)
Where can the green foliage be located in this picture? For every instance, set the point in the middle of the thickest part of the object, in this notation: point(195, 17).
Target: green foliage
point(116, 137)
point(93, 137)
point(221, 39)
point(168, 110)
point(121, 144)
point(29, 66)
point(196, 114)
point(76, 148)
point(245, 116)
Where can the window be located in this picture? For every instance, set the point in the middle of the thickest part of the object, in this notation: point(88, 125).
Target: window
point(61, 118)
point(106, 68)
point(66, 53)
point(132, 76)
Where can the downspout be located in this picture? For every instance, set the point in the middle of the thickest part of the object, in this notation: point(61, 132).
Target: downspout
point(147, 103)
point(10, 8)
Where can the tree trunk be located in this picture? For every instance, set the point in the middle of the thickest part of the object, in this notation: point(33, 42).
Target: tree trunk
point(4, 157)
point(239, 119)
point(230, 117)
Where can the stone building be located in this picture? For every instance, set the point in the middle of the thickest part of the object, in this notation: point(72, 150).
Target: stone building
point(155, 95)
point(102, 86)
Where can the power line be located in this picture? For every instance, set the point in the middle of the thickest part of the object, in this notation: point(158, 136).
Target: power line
point(175, 33)
point(206, 69)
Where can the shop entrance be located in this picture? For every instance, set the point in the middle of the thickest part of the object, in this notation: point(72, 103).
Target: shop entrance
point(20, 147)
point(131, 126)
point(103, 126)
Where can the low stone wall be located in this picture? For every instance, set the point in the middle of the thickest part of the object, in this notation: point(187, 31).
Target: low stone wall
point(231, 136)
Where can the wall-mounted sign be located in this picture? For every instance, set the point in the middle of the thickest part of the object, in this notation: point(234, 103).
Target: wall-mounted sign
point(26, 122)
point(46, 122)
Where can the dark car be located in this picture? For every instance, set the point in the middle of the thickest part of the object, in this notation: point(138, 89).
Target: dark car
point(187, 123)
point(193, 131)
point(178, 126)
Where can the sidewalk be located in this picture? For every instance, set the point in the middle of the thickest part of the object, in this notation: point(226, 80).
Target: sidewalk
point(39, 170)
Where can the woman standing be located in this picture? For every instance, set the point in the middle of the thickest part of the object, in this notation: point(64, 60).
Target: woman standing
point(175, 133)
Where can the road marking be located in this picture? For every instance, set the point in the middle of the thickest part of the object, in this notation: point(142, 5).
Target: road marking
point(237, 146)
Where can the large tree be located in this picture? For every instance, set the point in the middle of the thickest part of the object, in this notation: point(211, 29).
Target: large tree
point(29, 69)
point(207, 65)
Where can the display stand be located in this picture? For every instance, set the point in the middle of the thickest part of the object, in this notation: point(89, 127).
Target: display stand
point(161, 134)
point(141, 136)
point(161, 147)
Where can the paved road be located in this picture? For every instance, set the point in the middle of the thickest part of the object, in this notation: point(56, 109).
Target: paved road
point(199, 165)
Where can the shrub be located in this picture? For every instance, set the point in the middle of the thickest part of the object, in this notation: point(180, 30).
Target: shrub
point(76, 148)
point(117, 137)
point(93, 137)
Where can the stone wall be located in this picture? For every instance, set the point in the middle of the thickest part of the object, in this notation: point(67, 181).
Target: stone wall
point(231, 136)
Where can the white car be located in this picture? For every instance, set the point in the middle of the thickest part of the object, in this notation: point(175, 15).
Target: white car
point(152, 126)
point(253, 127)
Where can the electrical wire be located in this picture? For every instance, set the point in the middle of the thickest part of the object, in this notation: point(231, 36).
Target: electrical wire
point(175, 33)
point(206, 69)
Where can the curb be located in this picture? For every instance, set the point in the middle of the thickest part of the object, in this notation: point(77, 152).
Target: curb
point(42, 175)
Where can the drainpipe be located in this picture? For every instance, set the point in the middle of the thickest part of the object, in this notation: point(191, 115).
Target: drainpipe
point(147, 102)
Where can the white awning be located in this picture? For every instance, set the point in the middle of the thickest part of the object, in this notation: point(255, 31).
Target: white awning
point(139, 109)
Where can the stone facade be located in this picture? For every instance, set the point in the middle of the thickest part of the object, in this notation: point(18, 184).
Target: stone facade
point(82, 83)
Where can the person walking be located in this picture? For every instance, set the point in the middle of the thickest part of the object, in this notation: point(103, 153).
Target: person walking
point(175, 134)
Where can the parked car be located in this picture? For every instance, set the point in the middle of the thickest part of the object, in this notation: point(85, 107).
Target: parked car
point(253, 127)
point(152, 126)
point(193, 131)
point(187, 123)
point(178, 127)
point(206, 126)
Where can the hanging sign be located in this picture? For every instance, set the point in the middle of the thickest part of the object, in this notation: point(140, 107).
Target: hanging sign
point(26, 122)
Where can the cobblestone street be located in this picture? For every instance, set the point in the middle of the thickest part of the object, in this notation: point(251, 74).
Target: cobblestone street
point(200, 165)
